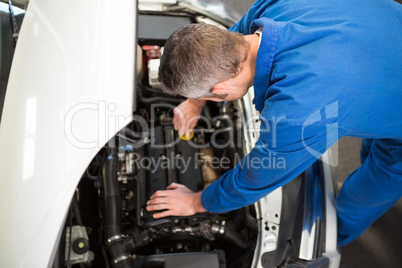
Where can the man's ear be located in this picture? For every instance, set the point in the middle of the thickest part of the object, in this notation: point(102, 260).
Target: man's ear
point(222, 88)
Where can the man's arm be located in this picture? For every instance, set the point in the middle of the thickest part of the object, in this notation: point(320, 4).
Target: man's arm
point(286, 147)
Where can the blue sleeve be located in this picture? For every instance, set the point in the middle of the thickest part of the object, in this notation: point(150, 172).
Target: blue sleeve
point(285, 149)
point(255, 11)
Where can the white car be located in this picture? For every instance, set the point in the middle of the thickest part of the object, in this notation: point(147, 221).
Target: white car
point(86, 137)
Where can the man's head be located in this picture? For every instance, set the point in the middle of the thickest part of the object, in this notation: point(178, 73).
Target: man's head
point(197, 57)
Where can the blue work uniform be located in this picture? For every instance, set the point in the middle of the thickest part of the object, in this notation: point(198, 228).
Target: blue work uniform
point(325, 69)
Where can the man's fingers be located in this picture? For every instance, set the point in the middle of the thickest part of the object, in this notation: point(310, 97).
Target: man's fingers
point(162, 214)
point(161, 193)
point(179, 124)
point(157, 200)
point(178, 121)
point(175, 122)
point(165, 193)
point(182, 130)
point(177, 111)
point(177, 200)
point(188, 134)
point(157, 207)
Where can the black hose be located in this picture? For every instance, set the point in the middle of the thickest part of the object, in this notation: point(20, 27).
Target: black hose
point(100, 164)
point(112, 215)
point(127, 132)
point(141, 180)
point(91, 177)
point(156, 223)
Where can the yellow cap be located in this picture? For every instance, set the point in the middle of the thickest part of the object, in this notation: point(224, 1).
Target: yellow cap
point(184, 137)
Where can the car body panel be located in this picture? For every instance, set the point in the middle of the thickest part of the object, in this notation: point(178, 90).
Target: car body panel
point(71, 81)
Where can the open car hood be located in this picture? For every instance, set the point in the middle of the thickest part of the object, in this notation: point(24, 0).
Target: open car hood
point(68, 78)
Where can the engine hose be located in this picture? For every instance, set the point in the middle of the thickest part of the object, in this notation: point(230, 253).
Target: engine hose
point(131, 133)
point(112, 214)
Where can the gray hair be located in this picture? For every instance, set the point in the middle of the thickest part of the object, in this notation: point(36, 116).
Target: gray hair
point(196, 57)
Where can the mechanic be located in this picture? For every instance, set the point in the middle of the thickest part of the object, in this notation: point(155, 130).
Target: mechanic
point(321, 70)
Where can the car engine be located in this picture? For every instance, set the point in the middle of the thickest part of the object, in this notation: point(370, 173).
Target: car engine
point(108, 224)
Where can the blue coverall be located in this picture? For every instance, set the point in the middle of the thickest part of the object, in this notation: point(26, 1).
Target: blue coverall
point(325, 69)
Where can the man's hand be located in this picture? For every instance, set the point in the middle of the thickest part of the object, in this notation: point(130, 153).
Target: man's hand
point(177, 200)
point(186, 116)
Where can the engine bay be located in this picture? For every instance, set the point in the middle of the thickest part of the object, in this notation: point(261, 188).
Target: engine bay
point(144, 157)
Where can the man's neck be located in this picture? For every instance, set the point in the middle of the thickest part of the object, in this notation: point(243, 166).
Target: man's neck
point(253, 40)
